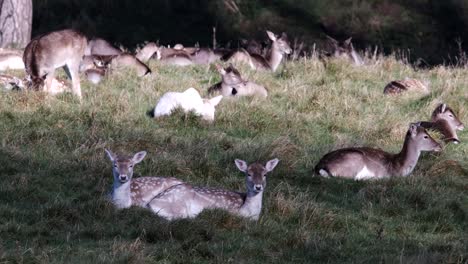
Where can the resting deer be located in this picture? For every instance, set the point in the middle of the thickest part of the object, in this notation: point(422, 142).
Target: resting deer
point(11, 59)
point(98, 46)
point(169, 56)
point(189, 100)
point(446, 122)
point(10, 82)
point(279, 48)
point(399, 86)
point(128, 191)
point(345, 49)
point(54, 50)
point(187, 201)
point(232, 84)
point(367, 163)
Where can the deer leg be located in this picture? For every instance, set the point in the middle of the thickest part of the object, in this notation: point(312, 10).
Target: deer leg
point(48, 81)
point(73, 69)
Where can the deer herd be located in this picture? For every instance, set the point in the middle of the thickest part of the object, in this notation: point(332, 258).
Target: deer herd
point(172, 198)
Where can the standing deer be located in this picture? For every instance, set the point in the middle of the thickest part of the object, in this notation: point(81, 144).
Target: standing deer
point(399, 86)
point(367, 163)
point(187, 201)
point(232, 84)
point(128, 191)
point(279, 48)
point(54, 50)
point(445, 121)
point(344, 49)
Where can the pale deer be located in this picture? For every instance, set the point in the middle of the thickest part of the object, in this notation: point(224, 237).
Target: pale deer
point(177, 57)
point(54, 50)
point(187, 201)
point(368, 163)
point(279, 48)
point(232, 84)
point(344, 49)
point(11, 59)
point(399, 86)
point(445, 121)
point(10, 82)
point(189, 100)
point(128, 191)
point(98, 46)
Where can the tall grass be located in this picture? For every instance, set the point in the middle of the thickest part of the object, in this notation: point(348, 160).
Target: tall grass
point(55, 175)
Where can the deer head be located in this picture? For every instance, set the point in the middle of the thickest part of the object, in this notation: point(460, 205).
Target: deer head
point(446, 113)
point(256, 174)
point(280, 43)
point(422, 140)
point(123, 165)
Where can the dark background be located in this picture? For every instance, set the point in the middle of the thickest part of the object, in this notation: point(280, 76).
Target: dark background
point(427, 29)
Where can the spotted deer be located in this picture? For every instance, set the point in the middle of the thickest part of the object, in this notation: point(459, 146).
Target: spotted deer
point(344, 49)
point(279, 48)
point(232, 84)
point(54, 50)
point(187, 201)
point(128, 191)
point(408, 84)
point(445, 121)
point(368, 163)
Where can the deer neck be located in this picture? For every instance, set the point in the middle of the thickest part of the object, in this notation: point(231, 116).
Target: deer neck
point(252, 205)
point(275, 57)
point(121, 194)
point(405, 161)
point(356, 58)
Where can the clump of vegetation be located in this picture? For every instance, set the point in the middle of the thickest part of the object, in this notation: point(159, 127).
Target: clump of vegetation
point(55, 175)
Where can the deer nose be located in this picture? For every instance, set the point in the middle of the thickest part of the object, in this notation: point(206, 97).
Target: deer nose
point(258, 187)
point(123, 177)
point(461, 127)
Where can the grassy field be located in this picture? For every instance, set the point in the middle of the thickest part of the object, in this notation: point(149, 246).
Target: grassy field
point(55, 175)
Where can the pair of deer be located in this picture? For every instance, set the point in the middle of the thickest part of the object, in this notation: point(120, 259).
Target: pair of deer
point(171, 198)
point(368, 163)
point(68, 47)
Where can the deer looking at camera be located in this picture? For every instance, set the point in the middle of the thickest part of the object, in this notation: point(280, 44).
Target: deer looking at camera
point(445, 121)
point(279, 48)
point(56, 49)
point(344, 49)
point(187, 201)
point(368, 163)
point(128, 191)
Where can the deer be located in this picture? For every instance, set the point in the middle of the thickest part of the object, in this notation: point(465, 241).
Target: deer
point(10, 82)
point(187, 201)
point(445, 121)
point(279, 48)
point(97, 66)
point(11, 59)
point(232, 84)
point(53, 50)
point(189, 100)
point(408, 84)
point(344, 49)
point(128, 191)
point(362, 163)
point(177, 57)
point(99, 46)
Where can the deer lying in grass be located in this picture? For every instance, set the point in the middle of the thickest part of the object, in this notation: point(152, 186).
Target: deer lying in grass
point(279, 48)
point(344, 49)
point(399, 86)
point(11, 59)
point(10, 82)
point(189, 100)
point(368, 163)
point(187, 201)
point(232, 84)
point(128, 191)
point(54, 50)
point(99, 46)
point(169, 56)
point(445, 121)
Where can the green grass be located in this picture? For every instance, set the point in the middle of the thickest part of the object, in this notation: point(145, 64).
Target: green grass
point(55, 175)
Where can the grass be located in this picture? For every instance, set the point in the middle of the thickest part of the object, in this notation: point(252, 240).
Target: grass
point(55, 174)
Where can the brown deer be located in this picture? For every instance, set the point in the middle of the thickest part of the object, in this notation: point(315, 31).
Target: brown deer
point(187, 201)
point(279, 48)
point(368, 163)
point(399, 86)
point(54, 50)
point(232, 84)
point(344, 49)
point(445, 121)
point(128, 191)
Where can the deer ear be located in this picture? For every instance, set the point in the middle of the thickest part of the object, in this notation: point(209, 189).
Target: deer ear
point(271, 35)
point(413, 129)
point(348, 41)
point(110, 154)
point(220, 69)
point(137, 158)
point(215, 100)
point(270, 165)
point(284, 36)
point(443, 107)
point(241, 165)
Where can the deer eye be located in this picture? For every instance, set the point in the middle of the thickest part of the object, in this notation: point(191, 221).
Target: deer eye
point(115, 166)
point(451, 115)
point(426, 137)
point(131, 166)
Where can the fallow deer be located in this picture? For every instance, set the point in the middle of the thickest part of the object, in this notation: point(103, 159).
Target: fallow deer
point(187, 201)
point(176, 57)
point(10, 82)
point(368, 163)
point(99, 46)
point(279, 48)
point(189, 100)
point(54, 50)
point(11, 59)
point(344, 49)
point(445, 121)
point(232, 84)
point(128, 191)
point(399, 86)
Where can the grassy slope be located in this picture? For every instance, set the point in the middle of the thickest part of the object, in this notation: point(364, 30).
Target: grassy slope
point(55, 174)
